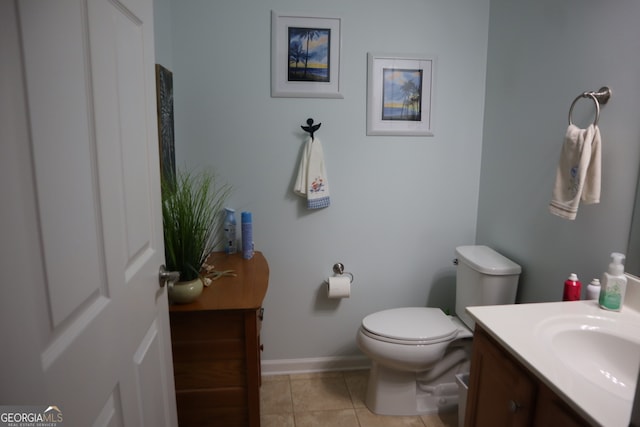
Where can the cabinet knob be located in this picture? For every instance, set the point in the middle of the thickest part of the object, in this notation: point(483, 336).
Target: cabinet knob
point(514, 406)
point(261, 347)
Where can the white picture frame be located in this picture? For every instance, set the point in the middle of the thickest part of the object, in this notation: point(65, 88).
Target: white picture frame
point(305, 56)
point(400, 94)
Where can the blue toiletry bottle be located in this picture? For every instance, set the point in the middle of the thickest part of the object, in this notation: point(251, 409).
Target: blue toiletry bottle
point(247, 235)
point(230, 240)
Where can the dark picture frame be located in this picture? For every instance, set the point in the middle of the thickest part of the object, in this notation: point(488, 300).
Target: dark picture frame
point(166, 137)
point(309, 54)
point(401, 94)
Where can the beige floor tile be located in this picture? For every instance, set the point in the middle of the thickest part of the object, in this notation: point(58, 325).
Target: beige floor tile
point(341, 418)
point(369, 419)
point(277, 420)
point(357, 385)
point(270, 378)
point(330, 399)
point(315, 375)
point(275, 397)
point(320, 394)
point(444, 419)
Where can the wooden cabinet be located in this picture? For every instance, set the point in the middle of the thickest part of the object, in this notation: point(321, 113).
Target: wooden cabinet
point(502, 392)
point(216, 347)
point(552, 411)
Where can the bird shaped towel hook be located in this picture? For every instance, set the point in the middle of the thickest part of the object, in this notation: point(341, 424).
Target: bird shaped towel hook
point(311, 128)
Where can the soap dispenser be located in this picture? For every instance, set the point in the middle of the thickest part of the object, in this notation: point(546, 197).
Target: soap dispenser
point(614, 284)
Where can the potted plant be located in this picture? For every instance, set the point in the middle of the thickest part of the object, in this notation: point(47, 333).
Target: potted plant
point(192, 204)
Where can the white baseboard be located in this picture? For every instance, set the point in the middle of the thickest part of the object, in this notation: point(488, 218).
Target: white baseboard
point(314, 364)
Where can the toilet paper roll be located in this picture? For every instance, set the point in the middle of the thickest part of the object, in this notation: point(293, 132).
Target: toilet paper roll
point(339, 287)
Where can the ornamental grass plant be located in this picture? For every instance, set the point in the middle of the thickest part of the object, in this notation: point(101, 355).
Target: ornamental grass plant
point(192, 206)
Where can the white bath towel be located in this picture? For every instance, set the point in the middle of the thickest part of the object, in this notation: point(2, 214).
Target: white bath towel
point(312, 181)
point(578, 173)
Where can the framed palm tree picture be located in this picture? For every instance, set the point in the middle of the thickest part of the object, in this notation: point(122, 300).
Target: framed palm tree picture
point(305, 56)
point(400, 94)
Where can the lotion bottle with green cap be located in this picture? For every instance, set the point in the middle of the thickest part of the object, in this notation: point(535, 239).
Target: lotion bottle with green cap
point(614, 284)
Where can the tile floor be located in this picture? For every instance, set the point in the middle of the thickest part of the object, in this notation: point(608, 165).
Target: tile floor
point(330, 399)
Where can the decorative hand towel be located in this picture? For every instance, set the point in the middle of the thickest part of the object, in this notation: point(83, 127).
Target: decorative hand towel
point(311, 181)
point(578, 173)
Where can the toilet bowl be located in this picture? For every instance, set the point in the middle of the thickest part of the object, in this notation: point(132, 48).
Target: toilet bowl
point(416, 352)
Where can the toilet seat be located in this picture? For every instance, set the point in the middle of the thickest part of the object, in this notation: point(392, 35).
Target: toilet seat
point(410, 326)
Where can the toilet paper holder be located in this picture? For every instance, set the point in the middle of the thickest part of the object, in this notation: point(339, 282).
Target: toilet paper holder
point(338, 268)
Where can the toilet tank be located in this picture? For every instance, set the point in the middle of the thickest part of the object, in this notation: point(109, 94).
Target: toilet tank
point(483, 277)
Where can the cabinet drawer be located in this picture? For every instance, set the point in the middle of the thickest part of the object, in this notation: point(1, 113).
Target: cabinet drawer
point(223, 407)
point(206, 325)
point(194, 351)
point(210, 374)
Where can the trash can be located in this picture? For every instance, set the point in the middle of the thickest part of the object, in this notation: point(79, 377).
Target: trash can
point(463, 388)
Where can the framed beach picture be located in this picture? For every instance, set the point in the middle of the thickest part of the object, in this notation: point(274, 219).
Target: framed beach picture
point(305, 56)
point(400, 95)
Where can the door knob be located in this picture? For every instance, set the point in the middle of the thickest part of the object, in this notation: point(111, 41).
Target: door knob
point(514, 406)
point(165, 276)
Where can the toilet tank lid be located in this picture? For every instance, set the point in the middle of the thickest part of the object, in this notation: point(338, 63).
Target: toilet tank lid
point(485, 260)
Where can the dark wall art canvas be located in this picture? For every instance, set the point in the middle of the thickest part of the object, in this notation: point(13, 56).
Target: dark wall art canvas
point(164, 97)
point(309, 54)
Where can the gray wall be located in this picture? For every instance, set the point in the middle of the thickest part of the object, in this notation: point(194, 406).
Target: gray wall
point(542, 54)
point(163, 35)
point(400, 205)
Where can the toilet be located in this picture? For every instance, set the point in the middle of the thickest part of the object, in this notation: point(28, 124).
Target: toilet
point(416, 352)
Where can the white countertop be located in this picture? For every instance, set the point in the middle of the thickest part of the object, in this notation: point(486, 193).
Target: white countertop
point(516, 328)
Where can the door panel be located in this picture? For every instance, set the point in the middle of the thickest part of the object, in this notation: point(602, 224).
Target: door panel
point(111, 414)
point(149, 384)
point(56, 72)
point(89, 219)
point(135, 169)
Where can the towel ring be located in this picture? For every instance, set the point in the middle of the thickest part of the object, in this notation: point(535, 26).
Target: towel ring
point(600, 97)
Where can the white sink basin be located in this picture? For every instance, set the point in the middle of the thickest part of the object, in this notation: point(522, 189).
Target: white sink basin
point(602, 350)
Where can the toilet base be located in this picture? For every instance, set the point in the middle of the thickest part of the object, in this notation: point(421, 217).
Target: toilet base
point(393, 392)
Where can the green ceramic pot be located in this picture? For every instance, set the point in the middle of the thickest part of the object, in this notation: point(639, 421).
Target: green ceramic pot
point(185, 292)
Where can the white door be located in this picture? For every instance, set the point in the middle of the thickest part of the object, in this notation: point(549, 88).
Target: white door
point(83, 321)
